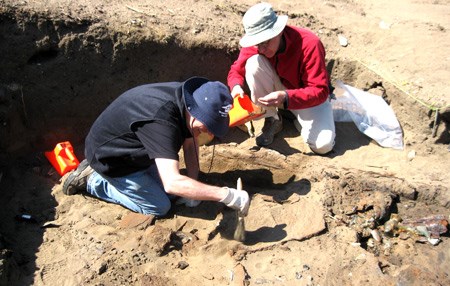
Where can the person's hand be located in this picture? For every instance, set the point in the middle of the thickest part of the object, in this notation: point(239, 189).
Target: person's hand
point(237, 90)
point(275, 98)
point(237, 199)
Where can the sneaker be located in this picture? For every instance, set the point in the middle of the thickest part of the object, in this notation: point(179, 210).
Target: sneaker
point(271, 127)
point(77, 179)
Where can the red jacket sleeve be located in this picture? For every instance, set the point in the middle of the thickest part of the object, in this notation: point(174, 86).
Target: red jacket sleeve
point(236, 75)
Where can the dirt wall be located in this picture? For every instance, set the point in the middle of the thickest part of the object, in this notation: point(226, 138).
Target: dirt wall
point(60, 74)
point(63, 61)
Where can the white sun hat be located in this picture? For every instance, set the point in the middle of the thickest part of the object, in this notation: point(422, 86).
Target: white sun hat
point(261, 24)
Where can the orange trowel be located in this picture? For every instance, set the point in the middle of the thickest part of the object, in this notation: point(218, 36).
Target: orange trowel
point(244, 110)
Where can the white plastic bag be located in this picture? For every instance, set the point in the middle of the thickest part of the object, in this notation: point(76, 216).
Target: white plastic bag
point(371, 114)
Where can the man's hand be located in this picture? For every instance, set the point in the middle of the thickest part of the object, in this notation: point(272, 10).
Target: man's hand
point(237, 90)
point(238, 200)
point(275, 99)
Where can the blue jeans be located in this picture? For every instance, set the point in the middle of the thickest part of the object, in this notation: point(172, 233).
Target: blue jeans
point(140, 192)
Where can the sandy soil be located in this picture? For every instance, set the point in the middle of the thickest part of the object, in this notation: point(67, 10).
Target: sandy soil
point(313, 220)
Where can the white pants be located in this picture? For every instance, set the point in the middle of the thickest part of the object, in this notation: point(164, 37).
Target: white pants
point(317, 122)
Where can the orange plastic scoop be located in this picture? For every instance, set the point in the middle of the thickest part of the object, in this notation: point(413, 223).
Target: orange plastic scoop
point(244, 110)
point(62, 158)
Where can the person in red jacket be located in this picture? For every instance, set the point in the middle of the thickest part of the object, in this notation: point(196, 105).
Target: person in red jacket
point(284, 67)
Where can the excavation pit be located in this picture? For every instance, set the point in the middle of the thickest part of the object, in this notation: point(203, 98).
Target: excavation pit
point(62, 70)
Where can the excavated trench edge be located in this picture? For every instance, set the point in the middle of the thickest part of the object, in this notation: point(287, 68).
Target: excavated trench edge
point(56, 84)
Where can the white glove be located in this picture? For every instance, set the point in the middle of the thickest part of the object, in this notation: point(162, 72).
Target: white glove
point(238, 200)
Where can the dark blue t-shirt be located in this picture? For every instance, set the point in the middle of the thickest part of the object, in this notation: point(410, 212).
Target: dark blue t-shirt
point(142, 124)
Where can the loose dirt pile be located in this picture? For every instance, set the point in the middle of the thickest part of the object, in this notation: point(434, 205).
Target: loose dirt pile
point(348, 218)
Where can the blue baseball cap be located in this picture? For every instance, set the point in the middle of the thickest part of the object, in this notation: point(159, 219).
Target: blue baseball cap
point(209, 102)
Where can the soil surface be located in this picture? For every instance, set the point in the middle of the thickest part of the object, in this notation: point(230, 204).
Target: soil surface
point(363, 214)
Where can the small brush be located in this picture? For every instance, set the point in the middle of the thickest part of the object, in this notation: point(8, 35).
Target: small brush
point(239, 233)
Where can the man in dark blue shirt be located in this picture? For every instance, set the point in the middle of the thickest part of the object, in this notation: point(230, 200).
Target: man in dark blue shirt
point(132, 148)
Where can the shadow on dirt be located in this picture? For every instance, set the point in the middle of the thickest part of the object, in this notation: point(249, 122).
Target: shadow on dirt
point(258, 181)
point(26, 208)
point(266, 234)
point(344, 143)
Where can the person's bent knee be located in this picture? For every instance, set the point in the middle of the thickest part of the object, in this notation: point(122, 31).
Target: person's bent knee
point(159, 211)
point(324, 144)
point(322, 149)
point(253, 64)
